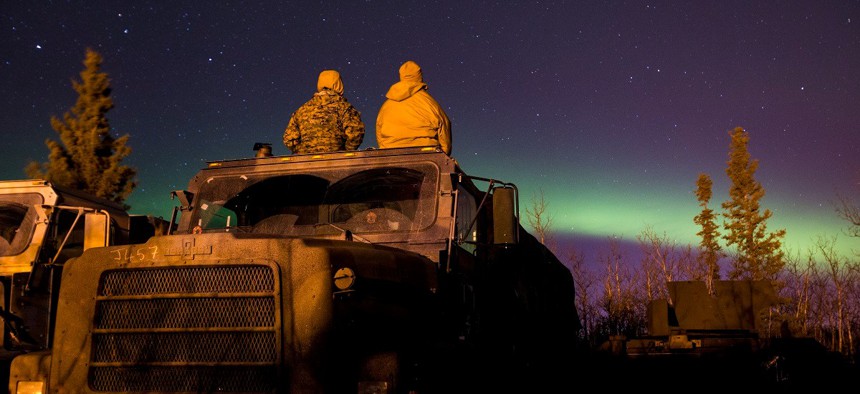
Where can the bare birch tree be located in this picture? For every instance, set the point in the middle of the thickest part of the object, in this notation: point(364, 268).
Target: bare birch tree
point(659, 263)
point(584, 280)
point(539, 218)
point(849, 211)
point(841, 276)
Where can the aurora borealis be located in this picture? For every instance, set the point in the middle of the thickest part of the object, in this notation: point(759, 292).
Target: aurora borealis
point(611, 109)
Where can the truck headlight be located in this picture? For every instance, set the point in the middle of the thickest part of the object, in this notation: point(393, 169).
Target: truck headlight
point(30, 387)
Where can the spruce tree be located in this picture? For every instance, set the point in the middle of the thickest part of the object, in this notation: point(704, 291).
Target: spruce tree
point(710, 250)
point(88, 157)
point(758, 253)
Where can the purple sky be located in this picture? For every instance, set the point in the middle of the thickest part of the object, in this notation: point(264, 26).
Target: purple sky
point(612, 109)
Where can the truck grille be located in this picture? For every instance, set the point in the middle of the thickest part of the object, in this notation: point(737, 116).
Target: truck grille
point(186, 329)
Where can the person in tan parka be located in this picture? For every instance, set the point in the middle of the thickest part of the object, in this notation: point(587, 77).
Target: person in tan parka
point(410, 116)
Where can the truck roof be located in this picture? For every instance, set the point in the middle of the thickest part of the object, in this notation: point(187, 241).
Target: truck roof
point(67, 196)
point(327, 156)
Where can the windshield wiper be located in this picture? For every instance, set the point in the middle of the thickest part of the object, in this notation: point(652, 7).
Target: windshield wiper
point(347, 235)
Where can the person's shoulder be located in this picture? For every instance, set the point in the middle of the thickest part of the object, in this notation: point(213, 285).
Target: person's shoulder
point(307, 103)
point(341, 102)
point(313, 104)
point(424, 95)
point(306, 109)
point(338, 99)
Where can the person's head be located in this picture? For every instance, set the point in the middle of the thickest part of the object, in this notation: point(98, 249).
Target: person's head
point(411, 71)
point(330, 79)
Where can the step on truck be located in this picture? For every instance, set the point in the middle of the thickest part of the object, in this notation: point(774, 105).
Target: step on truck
point(373, 271)
point(43, 226)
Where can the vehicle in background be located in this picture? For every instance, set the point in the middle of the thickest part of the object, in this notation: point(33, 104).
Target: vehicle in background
point(42, 227)
point(724, 339)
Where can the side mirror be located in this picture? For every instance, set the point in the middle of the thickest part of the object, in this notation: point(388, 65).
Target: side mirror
point(505, 222)
point(96, 230)
point(185, 197)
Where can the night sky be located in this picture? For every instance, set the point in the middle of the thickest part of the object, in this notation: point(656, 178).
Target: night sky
point(612, 109)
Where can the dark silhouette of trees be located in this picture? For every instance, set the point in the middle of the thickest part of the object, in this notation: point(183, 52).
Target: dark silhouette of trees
point(622, 303)
point(585, 282)
point(842, 275)
point(88, 157)
point(758, 254)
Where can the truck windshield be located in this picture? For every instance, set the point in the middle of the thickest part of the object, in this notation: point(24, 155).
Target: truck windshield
point(368, 200)
point(17, 219)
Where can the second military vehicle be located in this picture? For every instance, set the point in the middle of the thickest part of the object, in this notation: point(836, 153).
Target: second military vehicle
point(42, 226)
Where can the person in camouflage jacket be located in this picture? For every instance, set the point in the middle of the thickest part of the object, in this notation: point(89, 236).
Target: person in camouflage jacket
point(327, 122)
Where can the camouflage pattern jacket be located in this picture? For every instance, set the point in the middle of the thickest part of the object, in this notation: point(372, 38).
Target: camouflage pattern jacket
point(326, 123)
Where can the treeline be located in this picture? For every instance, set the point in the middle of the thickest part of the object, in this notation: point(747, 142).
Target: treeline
point(818, 289)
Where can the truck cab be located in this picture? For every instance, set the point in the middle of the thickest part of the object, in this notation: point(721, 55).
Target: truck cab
point(386, 271)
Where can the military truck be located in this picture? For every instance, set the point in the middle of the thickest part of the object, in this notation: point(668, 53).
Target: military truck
point(372, 271)
point(42, 226)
